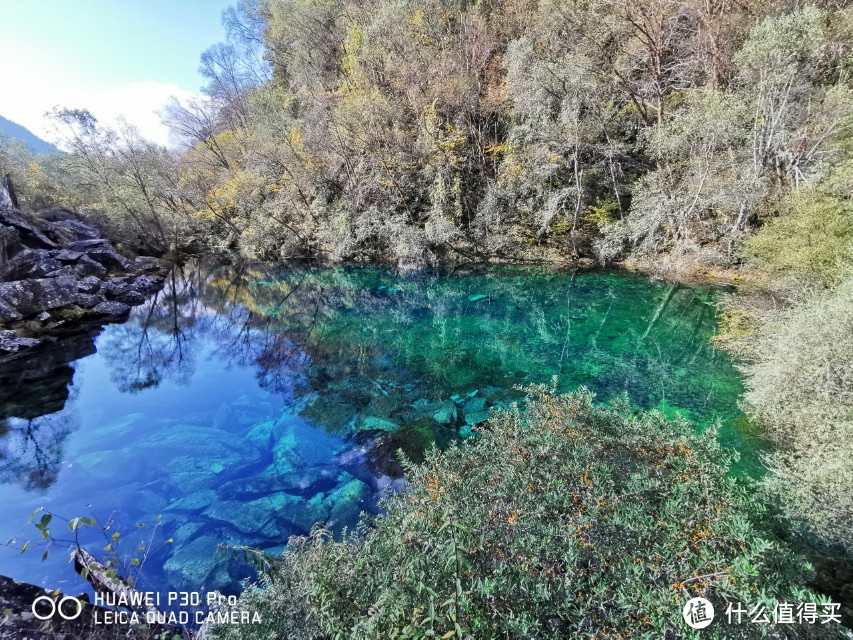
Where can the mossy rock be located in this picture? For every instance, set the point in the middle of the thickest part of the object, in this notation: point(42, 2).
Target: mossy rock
point(71, 314)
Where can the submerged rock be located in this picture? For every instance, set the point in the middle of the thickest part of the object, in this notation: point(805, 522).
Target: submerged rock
point(474, 404)
point(299, 444)
point(446, 413)
point(274, 479)
point(246, 517)
point(346, 503)
point(194, 501)
point(120, 429)
point(221, 416)
point(286, 513)
point(333, 416)
point(196, 565)
point(477, 417)
point(372, 423)
point(261, 432)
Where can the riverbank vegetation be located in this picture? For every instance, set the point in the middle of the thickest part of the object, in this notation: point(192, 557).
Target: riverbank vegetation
point(569, 519)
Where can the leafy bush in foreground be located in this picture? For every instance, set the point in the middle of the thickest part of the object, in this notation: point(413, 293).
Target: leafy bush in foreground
point(566, 520)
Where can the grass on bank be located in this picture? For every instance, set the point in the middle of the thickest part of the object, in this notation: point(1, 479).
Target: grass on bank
point(569, 520)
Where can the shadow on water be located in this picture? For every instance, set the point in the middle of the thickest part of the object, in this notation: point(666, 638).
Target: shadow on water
point(244, 404)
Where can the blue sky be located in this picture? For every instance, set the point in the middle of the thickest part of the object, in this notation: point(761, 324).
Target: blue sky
point(110, 56)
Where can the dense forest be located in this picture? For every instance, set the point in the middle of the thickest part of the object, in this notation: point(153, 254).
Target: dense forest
point(425, 132)
point(697, 138)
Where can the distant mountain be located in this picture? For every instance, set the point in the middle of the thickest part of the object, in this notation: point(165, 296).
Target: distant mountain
point(15, 131)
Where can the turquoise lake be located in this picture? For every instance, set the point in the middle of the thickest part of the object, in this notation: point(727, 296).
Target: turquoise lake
point(241, 406)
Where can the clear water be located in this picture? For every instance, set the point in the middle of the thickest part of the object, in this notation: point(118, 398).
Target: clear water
point(242, 406)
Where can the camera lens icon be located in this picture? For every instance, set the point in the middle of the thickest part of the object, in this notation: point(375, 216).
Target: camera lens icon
point(69, 611)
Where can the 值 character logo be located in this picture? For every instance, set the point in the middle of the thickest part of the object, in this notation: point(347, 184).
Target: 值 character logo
point(698, 613)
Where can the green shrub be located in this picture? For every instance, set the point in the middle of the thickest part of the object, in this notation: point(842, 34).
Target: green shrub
point(566, 520)
point(812, 239)
point(800, 388)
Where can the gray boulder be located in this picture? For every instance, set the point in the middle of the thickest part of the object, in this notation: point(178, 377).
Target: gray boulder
point(87, 267)
point(67, 231)
point(67, 255)
point(64, 270)
point(111, 309)
point(147, 264)
point(101, 251)
point(90, 284)
point(29, 263)
point(31, 297)
point(29, 233)
point(55, 263)
point(131, 297)
point(8, 312)
point(11, 343)
point(87, 300)
point(108, 257)
point(86, 245)
point(10, 242)
point(146, 284)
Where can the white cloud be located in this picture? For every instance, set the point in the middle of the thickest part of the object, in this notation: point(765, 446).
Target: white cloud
point(137, 102)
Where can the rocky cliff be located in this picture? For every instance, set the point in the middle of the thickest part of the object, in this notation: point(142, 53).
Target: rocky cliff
point(59, 276)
